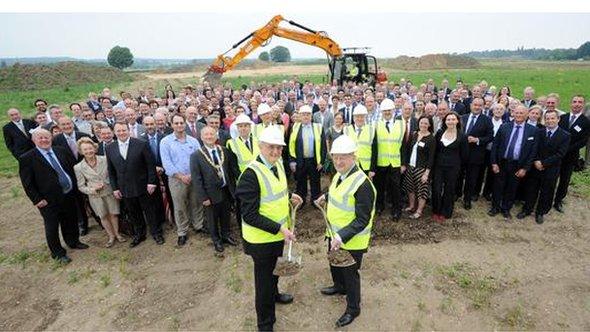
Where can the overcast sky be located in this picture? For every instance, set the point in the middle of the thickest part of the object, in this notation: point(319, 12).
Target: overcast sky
point(205, 35)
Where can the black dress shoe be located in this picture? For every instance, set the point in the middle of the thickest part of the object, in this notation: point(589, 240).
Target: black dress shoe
point(283, 298)
point(493, 212)
point(80, 245)
point(467, 205)
point(558, 207)
point(136, 241)
point(159, 239)
point(539, 219)
point(507, 216)
point(63, 260)
point(181, 240)
point(230, 241)
point(522, 215)
point(332, 290)
point(345, 320)
point(218, 246)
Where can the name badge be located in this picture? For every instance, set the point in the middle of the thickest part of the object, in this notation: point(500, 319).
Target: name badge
point(531, 138)
point(421, 144)
point(577, 128)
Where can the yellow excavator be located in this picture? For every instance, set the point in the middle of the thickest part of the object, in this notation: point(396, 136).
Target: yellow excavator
point(345, 64)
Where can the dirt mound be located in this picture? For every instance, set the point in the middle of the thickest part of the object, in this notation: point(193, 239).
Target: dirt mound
point(34, 77)
point(432, 61)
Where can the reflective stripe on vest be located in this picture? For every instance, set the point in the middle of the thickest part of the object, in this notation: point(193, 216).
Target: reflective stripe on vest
point(274, 203)
point(243, 154)
point(317, 137)
point(389, 143)
point(364, 142)
point(341, 208)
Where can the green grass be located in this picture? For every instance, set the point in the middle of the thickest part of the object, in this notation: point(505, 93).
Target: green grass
point(476, 287)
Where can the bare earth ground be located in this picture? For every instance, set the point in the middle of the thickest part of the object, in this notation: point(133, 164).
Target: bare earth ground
point(475, 273)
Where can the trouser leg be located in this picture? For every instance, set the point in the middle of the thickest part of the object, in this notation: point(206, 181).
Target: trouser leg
point(51, 221)
point(265, 284)
point(565, 175)
point(352, 282)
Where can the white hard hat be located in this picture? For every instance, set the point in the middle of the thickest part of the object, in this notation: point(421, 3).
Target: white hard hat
point(387, 104)
point(360, 110)
point(272, 135)
point(263, 109)
point(243, 118)
point(305, 109)
point(343, 145)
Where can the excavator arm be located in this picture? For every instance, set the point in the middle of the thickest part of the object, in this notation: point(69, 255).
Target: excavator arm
point(262, 36)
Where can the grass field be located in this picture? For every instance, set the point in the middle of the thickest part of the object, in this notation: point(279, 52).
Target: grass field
point(566, 79)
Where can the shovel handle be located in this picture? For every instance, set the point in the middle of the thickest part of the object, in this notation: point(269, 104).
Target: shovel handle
point(289, 250)
point(321, 208)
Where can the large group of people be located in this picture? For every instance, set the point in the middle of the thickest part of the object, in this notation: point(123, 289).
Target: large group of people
point(195, 157)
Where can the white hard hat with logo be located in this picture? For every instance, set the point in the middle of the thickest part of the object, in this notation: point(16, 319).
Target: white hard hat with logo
point(263, 109)
point(272, 135)
point(387, 104)
point(360, 110)
point(343, 145)
point(243, 118)
point(305, 109)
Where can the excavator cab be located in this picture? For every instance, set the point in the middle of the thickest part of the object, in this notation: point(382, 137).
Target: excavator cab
point(355, 67)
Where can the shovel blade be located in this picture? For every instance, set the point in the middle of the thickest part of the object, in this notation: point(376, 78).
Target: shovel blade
point(340, 258)
point(286, 267)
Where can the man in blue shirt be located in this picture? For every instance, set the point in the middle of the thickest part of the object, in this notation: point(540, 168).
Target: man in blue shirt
point(175, 152)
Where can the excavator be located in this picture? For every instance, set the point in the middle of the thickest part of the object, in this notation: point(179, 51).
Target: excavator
point(344, 64)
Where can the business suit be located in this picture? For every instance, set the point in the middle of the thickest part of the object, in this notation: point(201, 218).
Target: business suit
point(346, 112)
point(483, 130)
point(130, 176)
point(579, 132)
point(162, 177)
point(136, 130)
point(193, 129)
point(458, 107)
point(208, 185)
point(506, 182)
point(328, 119)
point(529, 103)
point(41, 182)
point(17, 141)
point(540, 184)
point(60, 140)
point(102, 148)
point(447, 165)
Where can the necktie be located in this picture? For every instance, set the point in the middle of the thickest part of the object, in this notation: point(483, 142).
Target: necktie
point(63, 179)
point(348, 115)
point(215, 159)
point(154, 146)
point(512, 145)
point(339, 181)
point(248, 145)
point(407, 131)
point(572, 120)
point(274, 171)
point(387, 126)
point(132, 131)
point(73, 146)
point(358, 131)
point(470, 124)
point(193, 132)
point(21, 127)
point(549, 133)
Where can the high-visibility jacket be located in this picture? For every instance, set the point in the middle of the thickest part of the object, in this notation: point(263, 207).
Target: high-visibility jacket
point(317, 139)
point(243, 154)
point(257, 129)
point(274, 203)
point(341, 209)
point(389, 143)
point(364, 142)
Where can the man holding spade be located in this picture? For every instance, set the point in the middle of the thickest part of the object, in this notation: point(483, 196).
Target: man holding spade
point(350, 211)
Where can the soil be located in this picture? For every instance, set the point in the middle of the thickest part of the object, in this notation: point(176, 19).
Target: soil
point(472, 273)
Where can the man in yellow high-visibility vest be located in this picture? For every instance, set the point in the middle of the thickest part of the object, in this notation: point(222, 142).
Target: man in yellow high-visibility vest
point(265, 113)
point(364, 136)
point(389, 134)
point(264, 198)
point(350, 213)
point(307, 151)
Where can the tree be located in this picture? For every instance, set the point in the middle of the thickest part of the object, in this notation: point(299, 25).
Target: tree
point(120, 57)
point(583, 50)
point(280, 54)
point(264, 56)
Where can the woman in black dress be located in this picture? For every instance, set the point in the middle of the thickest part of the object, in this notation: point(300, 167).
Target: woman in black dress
point(451, 152)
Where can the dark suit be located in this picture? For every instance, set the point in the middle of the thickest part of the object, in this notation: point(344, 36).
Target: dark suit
point(162, 178)
point(350, 119)
point(131, 176)
point(483, 129)
point(16, 141)
point(506, 182)
point(60, 140)
point(81, 199)
point(102, 148)
point(541, 184)
point(40, 182)
point(459, 107)
point(209, 186)
point(579, 132)
point(529, 104)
